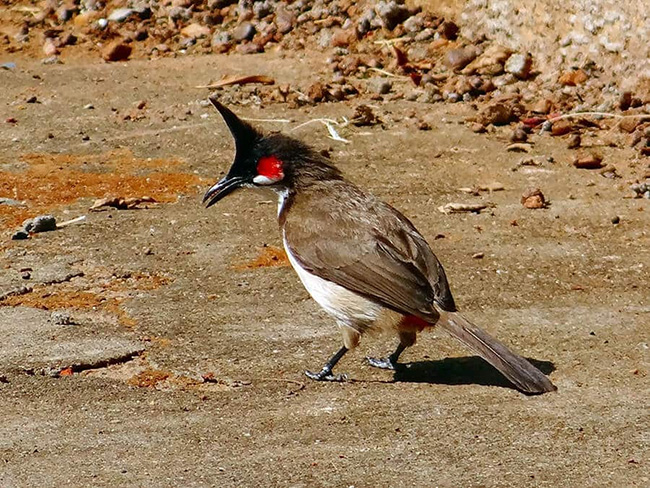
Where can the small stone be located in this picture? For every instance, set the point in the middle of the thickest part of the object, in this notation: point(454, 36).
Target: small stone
point(533, 198)
point(573, 78)
point(89, 106)
point(616, 220)
point(519, 135)
point(448, 30)
point(116, 51)
point(590, 161)
point(478, 255)
point(629, 124)
point(49, 47)
point(195, 31)
point(32, 99)
point(249, 48)
point(542, 106)
point(284, 19)
point(381, 86)
point(364, 116)
point(343, 37)
point(490, 62)
point(42, 223)
point(20, 235)
point(574, 141)
point(496, 114)
point(317, 92)
point(391, 14)
point(458, 58)
point(423, 125)
point(625, 101)
point(120, 14)
point(221, 42)
point(244, 32)
point(561, 127)
point(519, 65)
point(477, 127)
point(61, 318)
point(25, 275)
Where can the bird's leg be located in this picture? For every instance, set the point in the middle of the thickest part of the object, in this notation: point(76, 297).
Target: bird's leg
point(325, 374)
point(389, 362)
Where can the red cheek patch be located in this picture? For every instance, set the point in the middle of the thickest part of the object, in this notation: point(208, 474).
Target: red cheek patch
point(270, 167)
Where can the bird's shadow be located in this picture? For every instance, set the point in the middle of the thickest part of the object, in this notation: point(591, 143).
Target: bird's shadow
point(469, 370)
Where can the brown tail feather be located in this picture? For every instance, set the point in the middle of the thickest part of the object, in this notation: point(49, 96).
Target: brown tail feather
point(520, 372)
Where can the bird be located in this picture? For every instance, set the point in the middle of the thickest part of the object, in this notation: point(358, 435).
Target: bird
point(359, 258)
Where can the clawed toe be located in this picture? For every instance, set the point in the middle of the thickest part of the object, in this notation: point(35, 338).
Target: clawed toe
point(383, 363)
point(325, 375)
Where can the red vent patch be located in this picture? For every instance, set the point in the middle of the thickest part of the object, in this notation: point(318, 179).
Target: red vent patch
point(270, 167)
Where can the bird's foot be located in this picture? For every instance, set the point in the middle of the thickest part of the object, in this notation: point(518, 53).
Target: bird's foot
point(383, 363)
point(326, 375)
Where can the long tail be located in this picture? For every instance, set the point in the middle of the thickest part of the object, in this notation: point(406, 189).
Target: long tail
point(523, 375)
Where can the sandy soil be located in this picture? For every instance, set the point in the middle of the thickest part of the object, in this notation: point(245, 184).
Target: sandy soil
point(184, 363)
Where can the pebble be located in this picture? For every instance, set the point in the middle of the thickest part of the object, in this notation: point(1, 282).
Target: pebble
point(458, 58)
point(221, 41)
point(533, 198)
point(573, 78)
point(519, 65)
point(496, 114)
point(590, 161)
point(629, 124)
point(49, 47)
point(616, 220)
point(52, 60)
point(195, 31)
point(519, 135)
point(284, 19)
point(448, 30)
point(116, 51)
point(561, 127)
point(478, 255)
point(391, 14)
point(490, 62)
point(120, 14)
point(382, 86)
point(542, 106)
point(20, 235)
point(32, 99)
point(89, 106)
point(244, 32)
point(42, 223)
point(61, 318)
point(625, 101)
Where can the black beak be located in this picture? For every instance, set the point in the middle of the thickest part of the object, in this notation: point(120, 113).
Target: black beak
point(222, 188)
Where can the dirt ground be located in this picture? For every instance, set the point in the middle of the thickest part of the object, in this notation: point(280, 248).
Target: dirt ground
point(183, 364)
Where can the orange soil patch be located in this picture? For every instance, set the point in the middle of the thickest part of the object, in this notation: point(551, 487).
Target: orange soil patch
point(58, 296)
point(149, 378)
point(269, 256)
point(52, 180)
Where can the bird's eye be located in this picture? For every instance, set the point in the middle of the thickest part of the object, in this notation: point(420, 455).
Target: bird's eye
point(269, 171)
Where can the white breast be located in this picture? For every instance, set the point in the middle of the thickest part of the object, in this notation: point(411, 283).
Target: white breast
point(347, 307)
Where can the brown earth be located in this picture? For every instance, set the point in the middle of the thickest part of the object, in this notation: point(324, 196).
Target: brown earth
point(206, 387)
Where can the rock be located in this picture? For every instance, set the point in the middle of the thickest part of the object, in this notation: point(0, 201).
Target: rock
point(41, 223)
point(478, 255)
point(616, 220)
point(629, 124)
point(116, 51)
point(343, 37)
point(458, 58)
point(490, 62)
point(641, 190)
point(573, 78)
point(625, 100)
point(364, 116)
point(477, 128)
point(317, 92)
point(533, 198)
point(221, 41)
point(49, 47)
point(195, 31)
point(561, 127)
point(20, 235)
point(496, 114)
point(32, 99)
point(590, 161)
point(284, 20)
point(448, 30)
point(61, 318)
point(249, 48)
point(574, 141)
point(519, 135)
point(244, 32)
point(380, 86)
point(391, 13)
point(542, 106)
point(120, 14)
point(519, 65)
point(179, 13)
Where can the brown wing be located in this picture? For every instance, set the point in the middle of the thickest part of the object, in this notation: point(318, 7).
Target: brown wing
point(368, 247)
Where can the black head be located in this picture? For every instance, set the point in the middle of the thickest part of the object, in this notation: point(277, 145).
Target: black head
point(271, 161)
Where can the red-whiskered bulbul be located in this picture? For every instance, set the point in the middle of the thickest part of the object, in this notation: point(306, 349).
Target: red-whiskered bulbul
point(359, 258)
